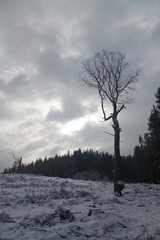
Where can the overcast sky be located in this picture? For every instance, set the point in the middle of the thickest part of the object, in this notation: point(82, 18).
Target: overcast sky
point(44, 108)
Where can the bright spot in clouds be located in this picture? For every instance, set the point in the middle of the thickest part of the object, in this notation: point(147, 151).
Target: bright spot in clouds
point(73, 126)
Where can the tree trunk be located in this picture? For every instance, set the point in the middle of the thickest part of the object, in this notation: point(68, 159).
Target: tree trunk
point(116, 152)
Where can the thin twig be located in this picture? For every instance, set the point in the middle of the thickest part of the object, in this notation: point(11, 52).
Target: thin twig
point(41, 230)
point(79, 233)
point(109, 133)
point(122, 224)
point(9, 221)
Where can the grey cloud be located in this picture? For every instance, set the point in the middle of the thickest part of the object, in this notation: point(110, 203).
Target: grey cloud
point(48, 40)
point(55, 150)
point(5, 159)
point(90, 136)
point(5, 111)
point(156, 32)
point(51, 64)
point(93, 136)
point(18, 87)
point(37, 144)
point(71, 109)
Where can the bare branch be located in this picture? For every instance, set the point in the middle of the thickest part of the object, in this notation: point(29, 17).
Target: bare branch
point(102, 105)
point(15, 157)
point(17, 163)
point(120, 109)
point(106, 71)
point(109, 133)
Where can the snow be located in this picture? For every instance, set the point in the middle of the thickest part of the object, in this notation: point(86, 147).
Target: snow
point(38, 207)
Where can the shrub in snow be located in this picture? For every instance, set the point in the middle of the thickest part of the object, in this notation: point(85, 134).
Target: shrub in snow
point(4, 217)
point(86, 175)
point(46, 219)
point(31, 198)
point(65, 214)
point(42, 220)
point(81, 194)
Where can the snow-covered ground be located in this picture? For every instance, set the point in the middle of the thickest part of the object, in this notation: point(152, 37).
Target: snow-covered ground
point(38, 207)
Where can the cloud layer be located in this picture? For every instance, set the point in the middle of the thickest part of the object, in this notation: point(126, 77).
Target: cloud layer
point(45, 109)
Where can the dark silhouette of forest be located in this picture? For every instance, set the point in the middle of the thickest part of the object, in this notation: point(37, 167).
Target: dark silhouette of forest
point(143, 166)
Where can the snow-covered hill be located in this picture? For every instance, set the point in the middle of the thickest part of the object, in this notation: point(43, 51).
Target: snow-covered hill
point(38, 208)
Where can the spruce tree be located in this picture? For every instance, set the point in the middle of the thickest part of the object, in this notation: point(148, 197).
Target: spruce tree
point(154, 135)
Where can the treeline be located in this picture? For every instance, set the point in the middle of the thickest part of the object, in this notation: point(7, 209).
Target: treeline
point(143, 166)
point(86, 164)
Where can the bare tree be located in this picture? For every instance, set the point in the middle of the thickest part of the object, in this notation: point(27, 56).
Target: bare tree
point(17, 163)
point(108, 72)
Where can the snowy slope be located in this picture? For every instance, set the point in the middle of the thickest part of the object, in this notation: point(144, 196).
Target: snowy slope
point(38, 207)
